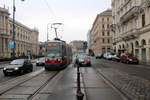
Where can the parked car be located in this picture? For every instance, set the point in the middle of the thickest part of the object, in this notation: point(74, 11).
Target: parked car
point(115, 58)
point(18, 66)
point(129, 59)
point(105, 55)
point(40, 61)
point(108, 56)
point(99, 56)
point(83, 60)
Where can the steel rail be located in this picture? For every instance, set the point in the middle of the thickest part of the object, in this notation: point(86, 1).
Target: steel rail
point(17, 81)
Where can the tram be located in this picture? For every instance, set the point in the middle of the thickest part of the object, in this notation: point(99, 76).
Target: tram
point(58, 54)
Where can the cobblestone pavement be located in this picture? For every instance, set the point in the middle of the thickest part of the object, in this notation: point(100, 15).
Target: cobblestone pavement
point(134, 87)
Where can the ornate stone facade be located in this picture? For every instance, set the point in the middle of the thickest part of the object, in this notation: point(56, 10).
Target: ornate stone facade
point(131, 27)
point(101, 35)
point(26, 39)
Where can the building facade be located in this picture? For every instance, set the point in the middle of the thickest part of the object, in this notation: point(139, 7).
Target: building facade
point(131, 28)
point(77, 46)
point(101, 35)
point(26, 39)
point(89, 39)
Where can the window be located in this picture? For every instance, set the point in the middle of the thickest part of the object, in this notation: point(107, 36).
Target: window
point(143, 20)
point(108, 41)
point(103, 26)
point(107, 25)
point(103, 33)
point(108, 49)
point(103, 40)
point(107, 19)
point(102, 19)
point(103, 50)
point(108, 33)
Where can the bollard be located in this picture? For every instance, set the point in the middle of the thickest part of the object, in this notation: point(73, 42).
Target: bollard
point(80, 95)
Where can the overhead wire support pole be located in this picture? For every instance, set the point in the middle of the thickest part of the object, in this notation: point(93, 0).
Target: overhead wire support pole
point(13, 30)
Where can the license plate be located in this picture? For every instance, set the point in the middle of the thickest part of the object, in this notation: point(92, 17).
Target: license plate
point(9, 71)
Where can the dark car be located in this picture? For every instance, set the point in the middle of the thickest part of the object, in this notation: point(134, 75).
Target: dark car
point(83, 60)
point(99, 56)
point(18, 66)
point(40, 62)
point(129, 59)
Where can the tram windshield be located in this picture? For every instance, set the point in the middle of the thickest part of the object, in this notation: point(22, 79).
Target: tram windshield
point(53, 50)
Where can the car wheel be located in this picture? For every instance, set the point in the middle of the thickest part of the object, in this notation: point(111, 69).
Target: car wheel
point(31, 70)
point(5, 74)
point(89, 64)
point(121, 61)
point(127, 62)
point(21, 72)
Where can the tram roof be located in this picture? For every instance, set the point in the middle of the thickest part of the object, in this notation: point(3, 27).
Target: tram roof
point(58, 41)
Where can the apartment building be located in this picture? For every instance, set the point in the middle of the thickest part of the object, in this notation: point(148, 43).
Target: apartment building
point(101, 35)
point(131, 27)
point(77, 46)
point(26, 39)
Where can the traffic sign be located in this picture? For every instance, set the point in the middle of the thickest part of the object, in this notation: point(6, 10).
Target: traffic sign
point(11, 45)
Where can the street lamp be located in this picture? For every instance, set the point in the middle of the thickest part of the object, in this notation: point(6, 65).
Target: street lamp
point(13, 29)
point(55, 26)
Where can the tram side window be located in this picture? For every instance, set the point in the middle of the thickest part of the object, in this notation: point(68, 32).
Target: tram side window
point(63, 50)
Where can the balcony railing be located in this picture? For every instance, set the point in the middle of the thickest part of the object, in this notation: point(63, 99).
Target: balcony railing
point(129, 14)
point(133, 33)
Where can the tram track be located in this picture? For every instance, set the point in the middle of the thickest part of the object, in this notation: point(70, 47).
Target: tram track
point(27, 88)
point(10, 84)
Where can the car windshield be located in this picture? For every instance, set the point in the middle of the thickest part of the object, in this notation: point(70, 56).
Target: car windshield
point(130, 56)
point(17, 62)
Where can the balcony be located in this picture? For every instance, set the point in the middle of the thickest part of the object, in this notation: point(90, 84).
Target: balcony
point(147, 3)
point(133, 33)
point(129, 14)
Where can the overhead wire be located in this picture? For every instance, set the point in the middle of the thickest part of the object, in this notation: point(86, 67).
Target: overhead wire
point(50, 9)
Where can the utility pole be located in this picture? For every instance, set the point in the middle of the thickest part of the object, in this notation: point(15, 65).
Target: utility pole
point(13, 30)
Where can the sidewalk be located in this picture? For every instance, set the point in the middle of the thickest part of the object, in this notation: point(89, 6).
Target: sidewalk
point(96, 88)
point(135, 88)
point(65, 87)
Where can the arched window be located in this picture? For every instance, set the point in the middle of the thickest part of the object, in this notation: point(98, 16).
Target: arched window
point(136, 44)
point(123, 46)
point(143, 42)
point(119, 46)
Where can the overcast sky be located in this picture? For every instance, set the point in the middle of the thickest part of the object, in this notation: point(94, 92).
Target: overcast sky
point(77, 16)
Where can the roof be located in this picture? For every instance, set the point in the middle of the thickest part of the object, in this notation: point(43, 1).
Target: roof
point(107, 12)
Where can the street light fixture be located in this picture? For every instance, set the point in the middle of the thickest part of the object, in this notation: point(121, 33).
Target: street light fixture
point(13, 29)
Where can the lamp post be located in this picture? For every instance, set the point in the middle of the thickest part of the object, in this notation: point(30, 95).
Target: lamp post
point(13, 30)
